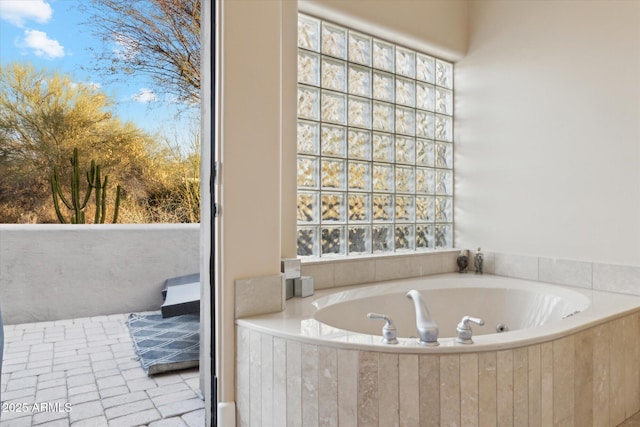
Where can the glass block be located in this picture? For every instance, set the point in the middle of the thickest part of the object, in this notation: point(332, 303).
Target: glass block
point(308, 33)
point(444, 182)
point(443, 236)
point(382, 238)
point(425, 124)
point(334, 107)
point(405, 92)
point(308, 137)
point(444, 209)
point(307, 207)
point(359, 240)
point(405, 150)
point(383, 117)
point(308, 102)
point(333, 174)
point(383, 87)
point(425, 152)
point(359, 48)
point(383, 56)
point(307, 172)
point(405, 62)
point(383, 147)
point(444, 74)
point(425, 208)
point(444, 155)
point(334, 141)
point(425, 180)
point(424, 236)
point(444, 101)
point(360, 81)
point(334, 208)
point(444, 128)
point(382, 207)
point(382, 177)
point(405, 179)
point(359, 144)
point(308, 242)
point(425, 96)
point(359, 112)
point(404, 237)
point(334, 74)
point(405, 121)
point(334, 40)
point(308, 68)
point(333, 241)
point(360, 176)
point(425, 68)
point(359, 207)
point(405, 208)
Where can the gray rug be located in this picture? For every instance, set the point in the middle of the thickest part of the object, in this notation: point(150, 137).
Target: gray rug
point(165, 345)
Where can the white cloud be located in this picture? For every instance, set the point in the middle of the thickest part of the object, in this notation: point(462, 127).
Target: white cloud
point(19, 11)
point(42, 45)
point(145, 95)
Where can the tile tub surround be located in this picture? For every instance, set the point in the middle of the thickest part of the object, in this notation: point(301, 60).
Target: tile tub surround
point(589, 275)
point(588, 378)
point(356, 270)
point(588, 375)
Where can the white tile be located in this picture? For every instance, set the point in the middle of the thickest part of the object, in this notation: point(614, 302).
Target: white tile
point(409, 394)
point(243, 379)
point(565, 272)
point(616, 278)
point(393, 267)
point(354, 272)
point(255, 377)
point(259, 295)
point(327, 386)
point(388, 390)
point(520, 266)
point(322, 273)
point(427, 264)
point(347, 386)
point(267, 380)
point(294, 383)
point(279, 381)
point(309, 385)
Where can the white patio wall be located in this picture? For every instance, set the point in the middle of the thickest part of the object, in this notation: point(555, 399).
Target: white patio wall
point(52, 272)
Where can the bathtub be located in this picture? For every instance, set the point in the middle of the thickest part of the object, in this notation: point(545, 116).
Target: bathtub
point(568, 356)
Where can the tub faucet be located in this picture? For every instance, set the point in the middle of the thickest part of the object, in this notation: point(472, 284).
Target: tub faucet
point(427, 328)
point(464, 329)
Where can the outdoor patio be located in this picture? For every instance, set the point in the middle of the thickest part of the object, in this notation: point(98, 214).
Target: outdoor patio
point(84, 372)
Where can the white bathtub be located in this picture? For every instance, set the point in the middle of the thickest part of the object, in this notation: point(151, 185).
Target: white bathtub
point(570, 356)
point(532, 311)
point(502, 304)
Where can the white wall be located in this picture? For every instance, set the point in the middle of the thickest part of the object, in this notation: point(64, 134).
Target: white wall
point(52, 272)
point(548, 130)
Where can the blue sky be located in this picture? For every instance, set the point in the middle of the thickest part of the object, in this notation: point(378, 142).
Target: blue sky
point(51, 34)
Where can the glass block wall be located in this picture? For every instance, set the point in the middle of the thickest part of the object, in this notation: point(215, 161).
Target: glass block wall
point(375, 145)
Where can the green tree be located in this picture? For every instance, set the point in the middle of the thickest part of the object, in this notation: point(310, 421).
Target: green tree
point(43, 116)
point(156, 38)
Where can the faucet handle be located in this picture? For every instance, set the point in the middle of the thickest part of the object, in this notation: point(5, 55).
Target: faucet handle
point(389, 331)
point(464, 329)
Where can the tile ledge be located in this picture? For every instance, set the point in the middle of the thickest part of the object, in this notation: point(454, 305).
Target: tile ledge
point(372, 257)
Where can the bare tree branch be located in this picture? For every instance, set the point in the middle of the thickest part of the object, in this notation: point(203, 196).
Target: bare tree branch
point(156, 38)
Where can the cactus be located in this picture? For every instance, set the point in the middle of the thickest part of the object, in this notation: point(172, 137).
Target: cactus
point(77, 204)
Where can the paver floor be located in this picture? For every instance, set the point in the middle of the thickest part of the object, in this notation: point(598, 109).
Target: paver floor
point(84, 372)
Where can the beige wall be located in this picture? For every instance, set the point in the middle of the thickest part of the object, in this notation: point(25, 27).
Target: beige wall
point(257, 130)
point(548, 130)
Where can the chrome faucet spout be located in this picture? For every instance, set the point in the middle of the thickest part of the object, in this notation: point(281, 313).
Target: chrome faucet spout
point(427, 328)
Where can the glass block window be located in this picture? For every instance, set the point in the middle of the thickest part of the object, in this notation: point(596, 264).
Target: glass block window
point(375, 145)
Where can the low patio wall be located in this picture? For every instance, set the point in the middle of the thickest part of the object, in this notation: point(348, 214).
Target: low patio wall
point(53, 272)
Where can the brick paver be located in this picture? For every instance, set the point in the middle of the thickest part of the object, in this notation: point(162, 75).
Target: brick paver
point(84, 372)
